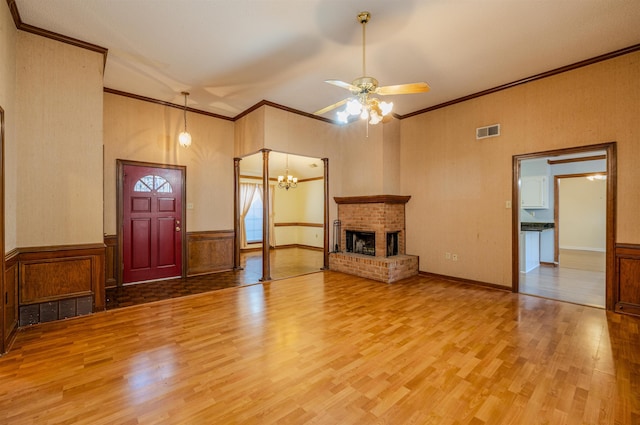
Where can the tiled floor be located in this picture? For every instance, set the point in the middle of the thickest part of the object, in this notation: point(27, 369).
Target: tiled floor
point(284, 263)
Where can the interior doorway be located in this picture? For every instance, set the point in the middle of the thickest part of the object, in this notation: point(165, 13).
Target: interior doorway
point(562, 232)
point(296, 223)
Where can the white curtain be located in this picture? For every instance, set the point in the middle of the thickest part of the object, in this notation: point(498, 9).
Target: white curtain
point(247, 191)
point(272, 228)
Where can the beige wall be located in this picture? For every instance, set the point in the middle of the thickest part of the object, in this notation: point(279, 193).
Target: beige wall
point(8, 34)
point(249, 133)
point(136, 130)
point(59, 138)
point(582, 214)
point(459, 185)
point(304, 204)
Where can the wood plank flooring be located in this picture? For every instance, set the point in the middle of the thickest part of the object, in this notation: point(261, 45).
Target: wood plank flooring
point(579, 278)
point(566, 284)
point(582, 260)
point(285, 262)
point(329, 348)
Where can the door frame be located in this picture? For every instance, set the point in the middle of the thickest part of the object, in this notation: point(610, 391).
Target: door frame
point(2, 259)
point(556, 208)
point(120, 164)
point(610, 272)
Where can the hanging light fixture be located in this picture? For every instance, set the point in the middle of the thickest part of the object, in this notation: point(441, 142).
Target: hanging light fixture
point(287, 181)
point(184, 138)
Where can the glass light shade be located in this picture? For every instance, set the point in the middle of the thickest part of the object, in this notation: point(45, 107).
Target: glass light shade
point(280, 179)
point(375, 118)
point(343, 116)
point(386, 107)
point(354, 107)
point(184, 139)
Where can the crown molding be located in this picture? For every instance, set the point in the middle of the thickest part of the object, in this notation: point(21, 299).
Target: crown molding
point(540, 76)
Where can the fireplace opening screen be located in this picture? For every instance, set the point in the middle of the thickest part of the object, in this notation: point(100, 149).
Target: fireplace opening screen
point(361, 242)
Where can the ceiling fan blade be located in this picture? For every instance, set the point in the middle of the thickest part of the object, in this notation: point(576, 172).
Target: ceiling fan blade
point(403, 89)
point(330, 107)
point(344, 85)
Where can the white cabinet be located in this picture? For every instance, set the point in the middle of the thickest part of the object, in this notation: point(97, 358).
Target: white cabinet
point(547, 246)
point(534, 192)
point(529, 251)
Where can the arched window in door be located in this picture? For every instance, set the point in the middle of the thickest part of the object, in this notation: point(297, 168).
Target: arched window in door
point(151, 183)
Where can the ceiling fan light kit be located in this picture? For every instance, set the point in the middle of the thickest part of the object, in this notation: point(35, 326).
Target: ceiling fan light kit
point(363, 103)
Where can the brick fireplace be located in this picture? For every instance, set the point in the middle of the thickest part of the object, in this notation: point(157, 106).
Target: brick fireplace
point(372, 238)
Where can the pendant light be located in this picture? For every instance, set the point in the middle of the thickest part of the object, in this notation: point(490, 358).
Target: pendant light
point(184, 138)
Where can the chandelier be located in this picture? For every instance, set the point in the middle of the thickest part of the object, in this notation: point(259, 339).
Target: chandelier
point(287, 181)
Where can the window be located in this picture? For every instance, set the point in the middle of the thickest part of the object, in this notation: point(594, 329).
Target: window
point(150, 183)
point(253, 221)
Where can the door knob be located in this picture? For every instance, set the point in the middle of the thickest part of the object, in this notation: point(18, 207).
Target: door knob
point(177, 228)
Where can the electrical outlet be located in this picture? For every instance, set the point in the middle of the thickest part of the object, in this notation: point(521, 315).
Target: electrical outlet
point(447, 256)
point(454, 257)
point(507, 204)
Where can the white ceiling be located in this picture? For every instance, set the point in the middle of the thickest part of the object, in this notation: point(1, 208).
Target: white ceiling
point(232, 54)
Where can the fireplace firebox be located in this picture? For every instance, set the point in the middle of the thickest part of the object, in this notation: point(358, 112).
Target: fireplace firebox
point(361, 242)
point(392, 244)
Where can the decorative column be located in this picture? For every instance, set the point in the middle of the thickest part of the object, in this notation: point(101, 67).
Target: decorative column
point(266, 254)
point(236, 213)
point(326, 214)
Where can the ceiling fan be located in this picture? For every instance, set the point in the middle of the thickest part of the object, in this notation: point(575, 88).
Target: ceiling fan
point(362, 103)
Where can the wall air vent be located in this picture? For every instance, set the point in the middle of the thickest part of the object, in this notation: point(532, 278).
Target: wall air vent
point(488, 131)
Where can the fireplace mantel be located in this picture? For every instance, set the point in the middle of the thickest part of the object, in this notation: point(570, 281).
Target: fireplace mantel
point(373, 199)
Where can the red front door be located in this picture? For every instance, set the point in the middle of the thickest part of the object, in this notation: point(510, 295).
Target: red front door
point(152, 223)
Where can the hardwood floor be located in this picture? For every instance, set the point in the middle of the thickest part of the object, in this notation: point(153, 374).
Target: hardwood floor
point(579, 278)
point(329, 348)
point(582, 260)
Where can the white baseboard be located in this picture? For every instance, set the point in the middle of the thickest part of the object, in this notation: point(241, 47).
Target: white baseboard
point(583, 248)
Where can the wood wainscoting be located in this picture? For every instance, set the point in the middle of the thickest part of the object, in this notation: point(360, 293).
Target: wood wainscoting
point(627, 288)
point(10, 308)
point(209, 251)
point(111, 261)
point(58, 282)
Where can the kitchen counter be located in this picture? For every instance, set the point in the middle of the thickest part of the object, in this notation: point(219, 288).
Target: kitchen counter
point(535, 226)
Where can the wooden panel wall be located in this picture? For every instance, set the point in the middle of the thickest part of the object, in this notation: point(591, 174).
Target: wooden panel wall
point(54, 273)
point(210, 251)
point(10, 309)
point(627, 288)
point(111, 261)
